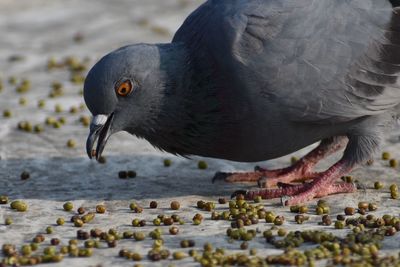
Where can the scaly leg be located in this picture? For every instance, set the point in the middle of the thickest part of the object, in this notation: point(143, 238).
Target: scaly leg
point(357, 151)
point(298, 172)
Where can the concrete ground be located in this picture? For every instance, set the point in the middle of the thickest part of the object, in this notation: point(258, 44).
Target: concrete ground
point(33, 32)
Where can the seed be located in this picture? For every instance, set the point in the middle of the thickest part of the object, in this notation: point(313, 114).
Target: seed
point(49, 230)
point(142, 223)
point(38, 239)
point(378, 185)
point(81, 210)
point(139, 236)
point(49, 250)
point(175, 205)
point(198, 216)
point(339, 224)
point(60, 221)
point(38, 128)
point(7, 113)
point(19, 205)
point(390, 231)
point(101, 209)
point(135, 222)
point(279, 220)
point(71, 143)
point(68, 206)
point(133, 205)
point(58, 108)
point(123, 174)
point(363, 205)
point(78, 223)
point(55, 241)
point(202, 165)
point(179, 255)
point(88, 217)
point(394, 195)
point(131, 174)
point(136, 257)
point(244, 245)
point(153, 204)
point(222, 200)
point(372, 206)
point(196, 222)
point(25, 175)
point(102, 160)
point(257, 199)
point(138, 209)
point(349, 211)
point(201, 204)
point(393, 163)
point(26, 250)
point(167, 162)
point(168, 221)
point(326, 220)
point(157, 222)
point(8, 221)
point(393, 187)
point(269, 217)
point(175, 217)
point(173, 230)
point(282, 232)
point(3, 199)
point(299, 219)
point(22, 101)
point(385, 155)
point(303, 209)
point(319, 210)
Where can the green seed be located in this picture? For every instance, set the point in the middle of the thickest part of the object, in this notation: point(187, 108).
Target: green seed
point(303, 209)
point(167, 162)
point(49, 230)
point(202, 165)
point(393, 187)
point(78, 223)
point(8, 221)
point(394, 195)
point(68, 206)
point(339, 224)
point(58, 108)
point(88, 217)
point(385, 155)
point(60, 221)
point(71, 143)
point(179, 255)
point(7, 113)
point(378, 185)
point(19, 205)
point(282, 232)
point(136, 257)
point(393, 163)
point(372, 206)
point(23, 101)
point(26, 250)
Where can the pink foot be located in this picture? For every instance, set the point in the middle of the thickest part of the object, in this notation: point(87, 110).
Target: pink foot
point(322, 186)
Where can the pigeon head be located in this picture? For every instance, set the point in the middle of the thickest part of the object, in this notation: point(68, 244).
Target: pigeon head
point(120, 90)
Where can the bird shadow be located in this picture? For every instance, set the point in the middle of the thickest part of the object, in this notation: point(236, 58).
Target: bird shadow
point(66, 178)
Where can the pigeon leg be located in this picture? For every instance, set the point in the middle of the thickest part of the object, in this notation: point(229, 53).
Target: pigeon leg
point(357, 151)
point(298, 172)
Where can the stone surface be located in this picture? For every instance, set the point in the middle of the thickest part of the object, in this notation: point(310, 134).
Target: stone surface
point(32, 32)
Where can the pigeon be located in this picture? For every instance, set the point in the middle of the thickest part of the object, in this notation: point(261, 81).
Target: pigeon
point(254, 80)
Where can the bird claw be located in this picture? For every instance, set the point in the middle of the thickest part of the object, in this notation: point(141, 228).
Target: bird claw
point(284, 199)
point(239, 192)
point(220, 176)
point(262, 182)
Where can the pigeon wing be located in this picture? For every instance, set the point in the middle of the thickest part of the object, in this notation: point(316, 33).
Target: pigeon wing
point(319, 61)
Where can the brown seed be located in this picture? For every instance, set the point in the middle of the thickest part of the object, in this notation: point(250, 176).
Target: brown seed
point(101, 209)
point(123, 174)
point(168, 221)
point(326, 220)
point(153, 204)
point(349, 211)
point(198, 216)
point(222, 200)
point(81, 210)
point(363, 205)
point(174, 230)
point(25, 175)
point(175, 205)
point(55, 241)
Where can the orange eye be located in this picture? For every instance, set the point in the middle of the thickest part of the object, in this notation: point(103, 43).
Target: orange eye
point(124, 88)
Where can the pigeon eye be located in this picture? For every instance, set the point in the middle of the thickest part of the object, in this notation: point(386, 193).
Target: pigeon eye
point(124, 88)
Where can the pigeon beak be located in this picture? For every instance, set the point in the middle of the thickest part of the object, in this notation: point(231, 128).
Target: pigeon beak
point(100, 132)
